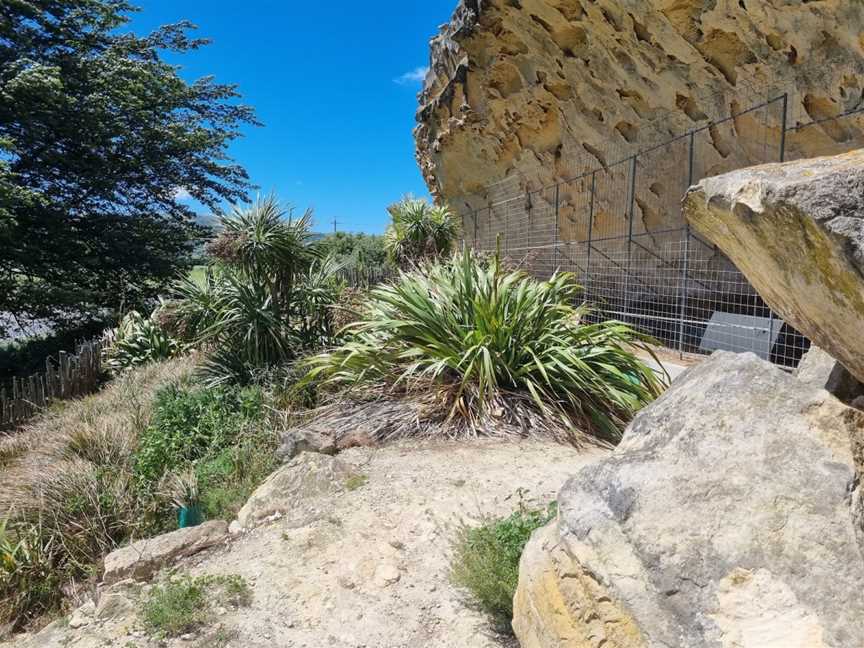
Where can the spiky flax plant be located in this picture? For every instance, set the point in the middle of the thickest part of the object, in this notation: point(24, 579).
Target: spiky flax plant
point(498, 349)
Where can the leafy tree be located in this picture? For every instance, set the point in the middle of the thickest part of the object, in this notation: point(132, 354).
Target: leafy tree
point(419, 231)
point(99, 138)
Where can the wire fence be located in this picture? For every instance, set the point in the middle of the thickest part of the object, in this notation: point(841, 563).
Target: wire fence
point(619, 227)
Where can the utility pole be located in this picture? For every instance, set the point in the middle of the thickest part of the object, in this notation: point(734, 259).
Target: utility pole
point(335, 223)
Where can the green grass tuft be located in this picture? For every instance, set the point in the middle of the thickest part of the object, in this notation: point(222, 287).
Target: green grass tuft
point(356, 481)
point(486, 559)
point(174, 609)
point(179, 607)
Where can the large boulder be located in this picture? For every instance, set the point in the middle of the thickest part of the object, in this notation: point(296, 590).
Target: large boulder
point(796, 231)
point(730, 516)
point(141, 559)
point(296, 489)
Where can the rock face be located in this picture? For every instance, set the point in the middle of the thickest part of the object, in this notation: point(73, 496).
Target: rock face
point(143, 558)
point(796, 231)
point(729, 517)
point(538, 91)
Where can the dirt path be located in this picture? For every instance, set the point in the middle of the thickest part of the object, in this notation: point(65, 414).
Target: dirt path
point(371, 572)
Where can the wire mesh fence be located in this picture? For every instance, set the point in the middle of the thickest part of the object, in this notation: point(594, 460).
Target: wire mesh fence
point(618, 226)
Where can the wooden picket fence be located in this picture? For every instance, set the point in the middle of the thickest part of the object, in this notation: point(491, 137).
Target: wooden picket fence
point(68, 376)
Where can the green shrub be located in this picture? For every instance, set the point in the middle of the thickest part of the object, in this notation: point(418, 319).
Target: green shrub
point(419, 231)
point(29, 581)
point(136, 341)
point(486, 559)
point(191, 423)
point(179, 607)
point(495, 346)
point(354, 251)
point(229, 477)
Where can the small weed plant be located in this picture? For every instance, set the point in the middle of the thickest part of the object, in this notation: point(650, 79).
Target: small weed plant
point(356, 481)
point(486, 559)
point(191, 423)
point(182, 606)
point(217, 433)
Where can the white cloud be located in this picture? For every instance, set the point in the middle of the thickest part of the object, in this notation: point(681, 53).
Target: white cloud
point(414, 76)
point(182, 194)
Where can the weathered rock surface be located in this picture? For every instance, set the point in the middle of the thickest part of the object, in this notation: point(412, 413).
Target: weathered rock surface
point(538, 91)
point(819, 369)
point(295, 489)
point(796, 231)
point(729, 517)
point(347, 425)
point(142, 558)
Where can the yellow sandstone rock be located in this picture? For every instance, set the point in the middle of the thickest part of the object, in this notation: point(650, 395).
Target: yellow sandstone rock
point(536, 91)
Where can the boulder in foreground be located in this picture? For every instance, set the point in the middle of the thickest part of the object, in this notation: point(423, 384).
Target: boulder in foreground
point(729, 516)
point(143, 558)
point(296, 489)
point(796, 231)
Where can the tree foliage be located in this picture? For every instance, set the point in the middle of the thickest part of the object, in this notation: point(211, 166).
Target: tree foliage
point(99, 139)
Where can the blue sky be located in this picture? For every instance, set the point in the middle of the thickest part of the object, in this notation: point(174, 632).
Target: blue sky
point(334, 85)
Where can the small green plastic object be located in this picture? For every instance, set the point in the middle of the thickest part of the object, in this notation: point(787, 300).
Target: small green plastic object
point(189, 516)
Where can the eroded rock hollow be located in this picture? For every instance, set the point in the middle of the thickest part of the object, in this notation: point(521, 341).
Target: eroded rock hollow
point(523, 94)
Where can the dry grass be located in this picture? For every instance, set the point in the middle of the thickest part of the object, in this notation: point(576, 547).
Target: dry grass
point(101, 429)
point(392, 414)
point(67, 486)
point(12, 447)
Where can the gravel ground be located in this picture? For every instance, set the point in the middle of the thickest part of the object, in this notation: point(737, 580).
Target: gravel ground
point(371, 571)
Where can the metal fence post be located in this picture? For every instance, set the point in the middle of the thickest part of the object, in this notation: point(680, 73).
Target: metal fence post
point(506, 230)
point(631, 214)
point(557, 223)
point(685, 265)
point(475, 229)
point(493, 235)
point(590, 231)
point(691, 159)
point(783, 127)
